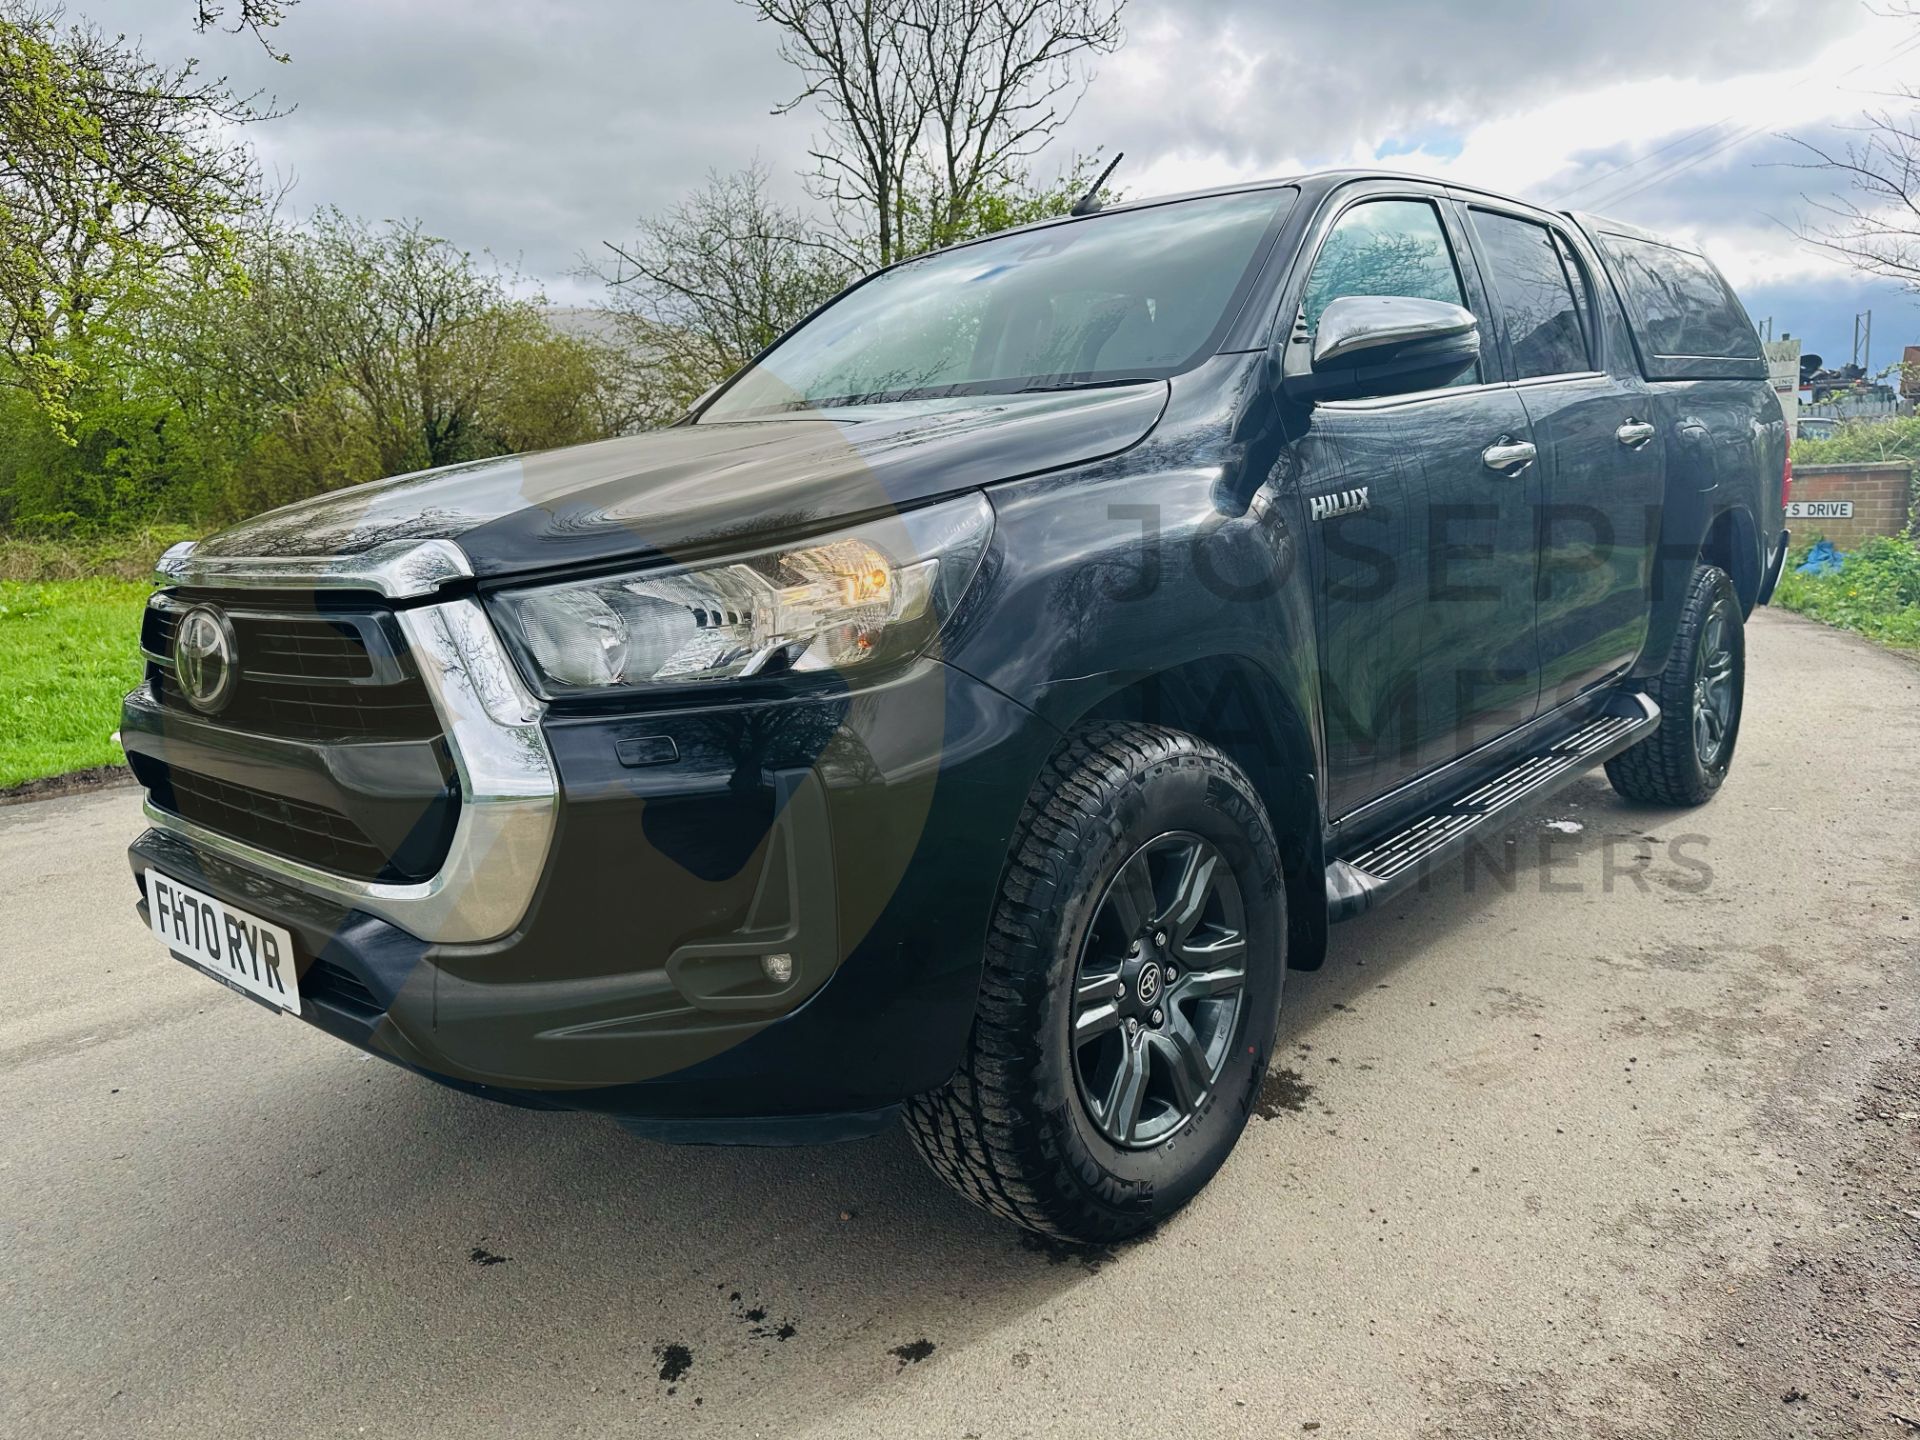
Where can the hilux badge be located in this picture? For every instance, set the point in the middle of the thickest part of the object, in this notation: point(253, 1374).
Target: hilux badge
point(1341, 502)
point(203, 658)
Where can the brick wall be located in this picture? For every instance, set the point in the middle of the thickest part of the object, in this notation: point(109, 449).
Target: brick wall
point(1881, 494)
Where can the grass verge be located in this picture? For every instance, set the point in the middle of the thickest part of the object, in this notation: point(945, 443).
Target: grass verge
point(127, 556)
point(1877, 592)
point(69, 649)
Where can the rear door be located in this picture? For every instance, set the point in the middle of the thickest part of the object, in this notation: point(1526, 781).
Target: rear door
point(1594, 422)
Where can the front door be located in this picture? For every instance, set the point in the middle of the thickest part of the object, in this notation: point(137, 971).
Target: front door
point(1419, 527)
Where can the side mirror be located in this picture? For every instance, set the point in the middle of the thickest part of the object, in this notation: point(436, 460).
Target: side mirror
point(1385, 345)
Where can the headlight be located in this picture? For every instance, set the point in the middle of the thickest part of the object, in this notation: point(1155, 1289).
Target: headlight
point(861, 597)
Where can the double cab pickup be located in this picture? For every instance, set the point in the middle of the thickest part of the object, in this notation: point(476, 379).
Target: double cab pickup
point(973, 709)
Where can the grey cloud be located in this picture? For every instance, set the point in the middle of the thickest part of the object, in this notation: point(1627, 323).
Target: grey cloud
point(1750, 196)
point(538, 130)
point(534, 131)
point(1330, 71)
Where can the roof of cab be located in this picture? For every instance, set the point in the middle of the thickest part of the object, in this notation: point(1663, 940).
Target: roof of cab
point(1323, 181)
point(1326, 180)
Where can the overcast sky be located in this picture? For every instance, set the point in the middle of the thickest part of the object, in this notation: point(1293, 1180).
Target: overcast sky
point(538, 128)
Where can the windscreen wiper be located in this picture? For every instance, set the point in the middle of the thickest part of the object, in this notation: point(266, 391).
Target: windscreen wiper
point(1087, 384)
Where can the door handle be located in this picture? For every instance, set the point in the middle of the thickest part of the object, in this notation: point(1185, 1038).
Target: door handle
point(1634, 434)
point(1509, 456)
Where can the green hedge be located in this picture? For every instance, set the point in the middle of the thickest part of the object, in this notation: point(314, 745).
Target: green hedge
point(1877, 592)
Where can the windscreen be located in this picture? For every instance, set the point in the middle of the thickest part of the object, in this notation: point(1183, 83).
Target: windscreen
point(1137, 294)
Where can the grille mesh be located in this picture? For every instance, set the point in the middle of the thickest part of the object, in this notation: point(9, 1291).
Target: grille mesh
point(307, 833)
point(308, 677)
point(303, 711)
point(339, 987)
point(321, 649)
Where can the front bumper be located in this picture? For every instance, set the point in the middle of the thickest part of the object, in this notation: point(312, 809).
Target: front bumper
point(861, 834)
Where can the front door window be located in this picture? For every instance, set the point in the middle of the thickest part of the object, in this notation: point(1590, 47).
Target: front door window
point(1386, 247)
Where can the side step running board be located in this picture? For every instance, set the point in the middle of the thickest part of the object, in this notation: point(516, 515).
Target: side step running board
point(1357, 883)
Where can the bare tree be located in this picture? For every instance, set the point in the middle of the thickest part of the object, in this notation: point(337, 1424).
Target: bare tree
point(254, 16)
point(1872, 220)
point(706, 286)
point(929, 103)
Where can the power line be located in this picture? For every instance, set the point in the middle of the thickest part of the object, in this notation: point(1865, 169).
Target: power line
point(1618, 170)
point(1660, 177)
point(1739, 137)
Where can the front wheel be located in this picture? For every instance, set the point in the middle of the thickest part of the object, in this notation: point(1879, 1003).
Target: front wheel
point(1130, 995)
point(1700, 693)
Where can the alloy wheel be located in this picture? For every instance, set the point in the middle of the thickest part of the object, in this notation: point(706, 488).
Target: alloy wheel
point(1713, 685)
point(1158, 989)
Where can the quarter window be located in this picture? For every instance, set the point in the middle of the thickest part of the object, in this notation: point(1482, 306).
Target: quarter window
point(1678, 301)
point(1535, 295)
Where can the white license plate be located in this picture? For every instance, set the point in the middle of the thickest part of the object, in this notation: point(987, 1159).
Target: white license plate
point(229, 944)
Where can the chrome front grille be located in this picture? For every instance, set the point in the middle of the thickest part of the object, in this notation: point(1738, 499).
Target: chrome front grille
point(327, 671)
point(327, 752)
point(383, 695)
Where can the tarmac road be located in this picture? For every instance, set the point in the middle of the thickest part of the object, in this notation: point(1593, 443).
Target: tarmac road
point(1620, 1142)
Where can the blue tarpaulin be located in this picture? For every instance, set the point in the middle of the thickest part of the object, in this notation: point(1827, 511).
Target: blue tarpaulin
point(1822, 559)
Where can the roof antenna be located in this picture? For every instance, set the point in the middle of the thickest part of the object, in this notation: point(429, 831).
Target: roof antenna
point(1089, 203)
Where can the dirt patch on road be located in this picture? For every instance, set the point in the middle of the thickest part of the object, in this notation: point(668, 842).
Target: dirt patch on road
point(1823, 1343)
point(77, 782)
point(1832, 1331)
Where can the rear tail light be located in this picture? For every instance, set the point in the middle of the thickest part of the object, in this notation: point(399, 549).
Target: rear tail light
point(1786, 482)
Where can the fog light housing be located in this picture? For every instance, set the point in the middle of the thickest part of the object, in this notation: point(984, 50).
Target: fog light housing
point(778, 967)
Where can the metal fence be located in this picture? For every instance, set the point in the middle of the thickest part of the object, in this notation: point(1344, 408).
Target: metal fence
point(1855, 407)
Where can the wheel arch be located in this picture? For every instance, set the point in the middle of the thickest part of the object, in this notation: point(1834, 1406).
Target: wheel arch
point(1732, 542)
point(1234, 704)
point(1691, 536)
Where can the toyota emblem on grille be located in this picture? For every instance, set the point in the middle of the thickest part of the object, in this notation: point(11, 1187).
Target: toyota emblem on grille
point(204, 663)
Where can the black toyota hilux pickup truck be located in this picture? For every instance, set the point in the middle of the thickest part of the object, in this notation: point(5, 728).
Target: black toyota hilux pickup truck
point(975, 706)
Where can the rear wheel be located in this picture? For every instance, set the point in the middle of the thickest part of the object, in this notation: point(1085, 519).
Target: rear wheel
point(1700, 693)
point(1130, 995)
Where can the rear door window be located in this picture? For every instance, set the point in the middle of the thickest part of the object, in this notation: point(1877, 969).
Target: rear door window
point(1582, 294)
point(1679, 304)
point(1537, 298)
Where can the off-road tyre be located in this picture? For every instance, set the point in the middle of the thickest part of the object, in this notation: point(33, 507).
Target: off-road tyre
point(1013, 1130)
point(1673, 766)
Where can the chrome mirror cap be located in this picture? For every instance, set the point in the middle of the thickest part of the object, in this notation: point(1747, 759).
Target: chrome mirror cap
point(1354, 324)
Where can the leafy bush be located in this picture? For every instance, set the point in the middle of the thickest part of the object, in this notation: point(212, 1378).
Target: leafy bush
point(1863, 441)
point(342, 353)
point(1876, 592)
